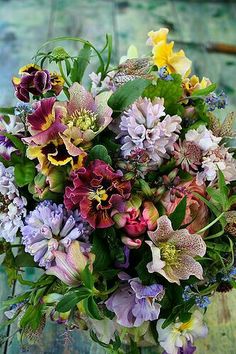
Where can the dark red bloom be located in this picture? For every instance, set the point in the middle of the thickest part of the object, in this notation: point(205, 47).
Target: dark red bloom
point(96, 191)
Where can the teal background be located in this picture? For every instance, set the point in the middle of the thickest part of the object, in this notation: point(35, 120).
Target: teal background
point(26, 24)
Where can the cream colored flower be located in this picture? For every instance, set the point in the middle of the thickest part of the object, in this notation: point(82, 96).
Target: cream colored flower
point(178, 335)
point(173, 252)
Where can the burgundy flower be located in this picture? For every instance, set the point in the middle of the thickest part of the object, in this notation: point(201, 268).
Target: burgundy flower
point(37, 81)
point(96, 191)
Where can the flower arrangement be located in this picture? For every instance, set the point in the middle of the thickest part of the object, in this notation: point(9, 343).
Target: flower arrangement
point(121, 193)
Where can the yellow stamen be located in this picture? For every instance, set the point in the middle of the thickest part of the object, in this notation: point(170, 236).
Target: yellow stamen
point(82, 119)
point(99, 195)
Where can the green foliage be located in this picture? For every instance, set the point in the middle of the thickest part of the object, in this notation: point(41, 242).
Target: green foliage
point(103, 259)
point(87, 277)
point(70, 300)
point(32, 317)
point(127, 94)
point(24, 172)
point(91, 308)
point(171, 91)
point(99, 152)
point(203, 92)
point(178, 215)
point(80, 64)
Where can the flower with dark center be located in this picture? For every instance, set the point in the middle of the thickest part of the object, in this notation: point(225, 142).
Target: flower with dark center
point(96, 191)
point(36, 81)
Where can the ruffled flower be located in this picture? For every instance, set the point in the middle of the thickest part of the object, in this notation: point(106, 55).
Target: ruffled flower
point(163, 54)
point(173, 252)
point(49, 228)
point(178, 337)
point(36, 81)
point(197, 214)
point(137, 218)
point(134, 303)
point(193, 84)
point(96, 191)
point(141, 127)
point(12, 205)
point(214, 160)
point(203, 138)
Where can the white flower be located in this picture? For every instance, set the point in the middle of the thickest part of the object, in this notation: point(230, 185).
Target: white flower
point(213, 160)
point(13, 126)
point(203, 138)
point(12, 205)
point(99, 85)
point(178, 334)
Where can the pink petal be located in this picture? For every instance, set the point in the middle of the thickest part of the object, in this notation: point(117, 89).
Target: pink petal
point(80, 99)
point(150, 215)
point(187, 267)
point(191, 244)
point(131, 243)
point(163, 230)
point(75, 257)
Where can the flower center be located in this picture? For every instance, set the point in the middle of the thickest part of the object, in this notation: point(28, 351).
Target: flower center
point(185, 326)
point(169, 253)
point(99, 195)
point(83, 119)
point(4, 202)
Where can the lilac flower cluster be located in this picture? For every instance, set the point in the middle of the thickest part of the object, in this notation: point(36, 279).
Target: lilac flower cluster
point(50, 227)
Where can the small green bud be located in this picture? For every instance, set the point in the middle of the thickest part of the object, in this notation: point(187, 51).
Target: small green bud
point(59, 54)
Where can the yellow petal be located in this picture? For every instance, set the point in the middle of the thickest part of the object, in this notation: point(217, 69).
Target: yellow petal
point(157, 36)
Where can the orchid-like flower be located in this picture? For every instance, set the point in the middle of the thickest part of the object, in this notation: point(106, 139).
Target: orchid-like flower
point(173, 252)
point(181, 335)
point(163, 54)
point(69, 265)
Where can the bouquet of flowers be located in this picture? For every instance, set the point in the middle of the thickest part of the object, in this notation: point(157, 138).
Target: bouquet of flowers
point(119, 186)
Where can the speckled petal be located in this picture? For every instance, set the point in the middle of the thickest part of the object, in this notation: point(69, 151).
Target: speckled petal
point(188, 266)
point(193, 244)
point(163, 230)
point(80, 99)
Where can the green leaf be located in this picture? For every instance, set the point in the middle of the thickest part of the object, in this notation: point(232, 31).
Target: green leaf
point(171, 91)
point(32, 316)
point(80, 64)
point(24, 259)
point(69, 301)
point(125, 95)
point(185, 316)
point(91, 308)
point(205, 91)
point(68, 66)
point(178, 215)
point(24, 173)
point(87, 277)
point(15, 300)
point(114, 243)
point(99, 152)
point(7, 110)
point(100, 248)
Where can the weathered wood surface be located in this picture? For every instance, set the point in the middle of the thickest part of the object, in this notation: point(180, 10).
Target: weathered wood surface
point(25, 25)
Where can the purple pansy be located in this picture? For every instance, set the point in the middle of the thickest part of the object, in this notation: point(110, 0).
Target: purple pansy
point(187, 349)
point(134, 303)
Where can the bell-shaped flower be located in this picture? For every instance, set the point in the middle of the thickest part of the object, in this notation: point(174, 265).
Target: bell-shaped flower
point(69, 265)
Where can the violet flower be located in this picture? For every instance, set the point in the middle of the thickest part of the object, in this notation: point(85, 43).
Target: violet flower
point(49, 228)
point(134, 303)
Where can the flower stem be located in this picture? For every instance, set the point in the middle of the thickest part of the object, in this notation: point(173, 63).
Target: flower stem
point(62, 73)
point(211, 224)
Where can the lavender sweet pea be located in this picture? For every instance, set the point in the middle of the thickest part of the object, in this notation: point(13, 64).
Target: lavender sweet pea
point(134, 303)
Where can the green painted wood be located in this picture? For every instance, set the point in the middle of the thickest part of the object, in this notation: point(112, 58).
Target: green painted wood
point(25, 25)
